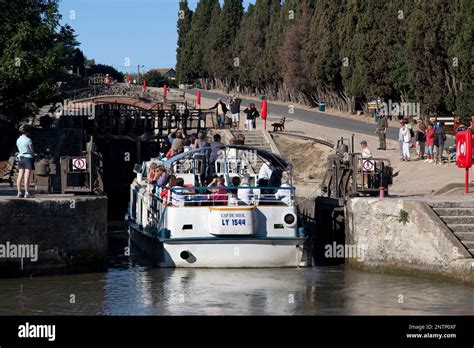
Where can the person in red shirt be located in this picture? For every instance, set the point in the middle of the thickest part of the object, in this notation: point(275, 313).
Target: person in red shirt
point(430, 135)
point(219, 194)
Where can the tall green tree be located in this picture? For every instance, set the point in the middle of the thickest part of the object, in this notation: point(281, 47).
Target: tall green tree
point(35, 51)
point(185, 16)
point(196, 41)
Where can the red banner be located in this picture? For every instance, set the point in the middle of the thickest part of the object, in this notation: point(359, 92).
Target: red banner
point(263, 111)
point(164, 90)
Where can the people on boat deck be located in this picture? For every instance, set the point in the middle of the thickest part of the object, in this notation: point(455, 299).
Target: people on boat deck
point(187, 145)
point(240, 139)
point(153, 175)
point(179, 193)
point(244, 194)
point(220, 192)
point(176, 148)
point(265, 171)
point(284, 193)
point(176, 134)
point(164, 194)
point(214, 154)
point(162, 176)
point(233, 199)
point(201, 141)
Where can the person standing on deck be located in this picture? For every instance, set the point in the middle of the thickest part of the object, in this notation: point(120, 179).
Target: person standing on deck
point(26, 160)
point(382, 126)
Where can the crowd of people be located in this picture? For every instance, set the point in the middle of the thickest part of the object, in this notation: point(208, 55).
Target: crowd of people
point(234, 105)
point(170, 187)
point(426, 137)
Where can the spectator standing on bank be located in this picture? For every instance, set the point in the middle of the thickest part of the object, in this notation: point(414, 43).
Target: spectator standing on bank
point(26, 160)
point(429, 136)
point(382, 126)
point(400, 138)
point(221, 110)
point(235, 110)
point(252, 114)
point(421, 139)
point(406, 141)
point(439, 140)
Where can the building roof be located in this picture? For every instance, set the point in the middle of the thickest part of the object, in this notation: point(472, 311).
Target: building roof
point(163, 71)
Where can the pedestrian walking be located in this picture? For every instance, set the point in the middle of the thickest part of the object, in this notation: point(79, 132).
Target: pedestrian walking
point(221, 110)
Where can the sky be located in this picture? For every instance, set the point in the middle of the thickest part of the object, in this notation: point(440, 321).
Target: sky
point(126, 33)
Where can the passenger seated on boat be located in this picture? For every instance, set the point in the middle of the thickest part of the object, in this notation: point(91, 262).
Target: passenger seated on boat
point(233, 192)
point(152, 175)
point(165, 192)
point(243, 194)
point(179, 193)
point(176, 147)
point(220, 193)
point(161, 176)
point(284, 194)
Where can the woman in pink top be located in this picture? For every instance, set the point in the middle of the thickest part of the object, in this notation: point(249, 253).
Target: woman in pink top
point(430, 135)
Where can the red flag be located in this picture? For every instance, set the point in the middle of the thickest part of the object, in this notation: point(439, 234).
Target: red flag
point(164, 90)
point(199, 98)
point(129, 77)
point(144, 85)
point(263, 112)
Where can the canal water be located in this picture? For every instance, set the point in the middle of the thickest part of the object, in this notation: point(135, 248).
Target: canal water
point(131, 288)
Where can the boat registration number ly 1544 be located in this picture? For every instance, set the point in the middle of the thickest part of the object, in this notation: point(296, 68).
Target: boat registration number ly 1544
point(233, 222)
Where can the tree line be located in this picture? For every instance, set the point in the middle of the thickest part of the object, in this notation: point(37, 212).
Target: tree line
point(342, 52)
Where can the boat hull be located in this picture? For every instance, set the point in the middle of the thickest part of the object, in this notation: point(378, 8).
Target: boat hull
point(215, 252)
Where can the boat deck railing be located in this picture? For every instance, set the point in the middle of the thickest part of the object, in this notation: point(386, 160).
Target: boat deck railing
point(225, 196)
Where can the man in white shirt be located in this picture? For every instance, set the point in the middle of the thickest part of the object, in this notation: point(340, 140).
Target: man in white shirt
point(265, 171)
point(284, 193)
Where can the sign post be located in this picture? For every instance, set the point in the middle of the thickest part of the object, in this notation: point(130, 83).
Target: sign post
point(464, 154)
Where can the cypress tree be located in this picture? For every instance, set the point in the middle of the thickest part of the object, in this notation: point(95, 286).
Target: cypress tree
point(184, 26)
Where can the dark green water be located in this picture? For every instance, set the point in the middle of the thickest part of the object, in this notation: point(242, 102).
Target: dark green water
point(130, 289)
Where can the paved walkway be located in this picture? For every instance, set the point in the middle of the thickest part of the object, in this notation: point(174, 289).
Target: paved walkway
point(310, 116)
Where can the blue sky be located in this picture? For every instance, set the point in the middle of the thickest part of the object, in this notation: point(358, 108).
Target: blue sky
point(112, 31)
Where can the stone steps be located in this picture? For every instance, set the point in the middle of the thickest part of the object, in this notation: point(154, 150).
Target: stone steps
point(459, 218)
point(465, 236)
point(454, 211)
point(461, 227)
point(452, 204)
point(463, 220)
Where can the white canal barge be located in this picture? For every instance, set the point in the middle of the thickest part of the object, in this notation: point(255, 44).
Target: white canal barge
point(240, 225)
